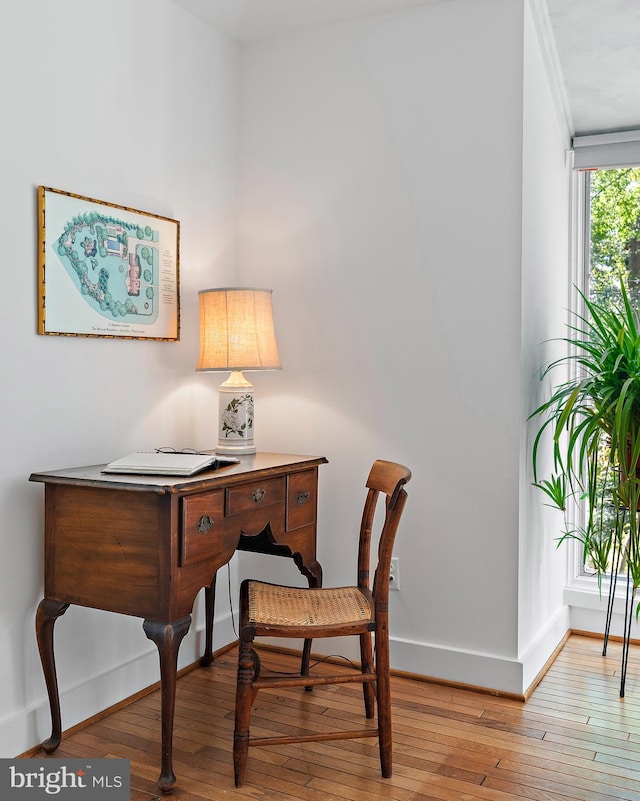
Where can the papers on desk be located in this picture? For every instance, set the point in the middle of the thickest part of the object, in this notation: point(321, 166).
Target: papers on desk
point(167, 464)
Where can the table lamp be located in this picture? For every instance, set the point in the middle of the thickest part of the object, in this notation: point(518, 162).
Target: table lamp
point(236, 334)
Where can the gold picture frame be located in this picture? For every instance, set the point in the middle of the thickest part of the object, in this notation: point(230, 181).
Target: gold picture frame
point(106, 270)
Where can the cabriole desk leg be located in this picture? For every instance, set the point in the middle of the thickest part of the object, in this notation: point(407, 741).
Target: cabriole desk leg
point(209, 607)
point(313, 571)
point(167, 637)
point(48, 612)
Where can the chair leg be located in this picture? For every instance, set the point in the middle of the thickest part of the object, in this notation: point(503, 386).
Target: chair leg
point(383, 692)
point(366, 660)
point(306, 658)
point(247, 665)
point(257, 667)
point(313, 572)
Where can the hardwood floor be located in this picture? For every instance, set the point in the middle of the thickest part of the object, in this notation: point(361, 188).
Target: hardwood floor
point(574, 739)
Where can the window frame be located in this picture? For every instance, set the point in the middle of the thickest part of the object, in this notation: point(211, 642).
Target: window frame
point(600, 151)
point(578, 578)
point(579, 280)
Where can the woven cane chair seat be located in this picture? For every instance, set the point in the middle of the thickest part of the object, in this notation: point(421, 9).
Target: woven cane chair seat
point(271, 604)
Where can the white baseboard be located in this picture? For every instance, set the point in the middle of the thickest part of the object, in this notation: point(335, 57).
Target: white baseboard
point(480, 670)
point(457, 666)
point(537, 653)
point(589, 610)
point(23, 731)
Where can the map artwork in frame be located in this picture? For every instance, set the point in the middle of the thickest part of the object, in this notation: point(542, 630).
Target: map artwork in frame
point(106, 270)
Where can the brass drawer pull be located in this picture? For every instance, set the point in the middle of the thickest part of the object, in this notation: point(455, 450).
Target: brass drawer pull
point(258, 495)
point(204, 524)
point(303, 497)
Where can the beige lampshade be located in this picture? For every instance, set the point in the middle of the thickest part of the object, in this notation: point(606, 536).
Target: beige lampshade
point(236, 330)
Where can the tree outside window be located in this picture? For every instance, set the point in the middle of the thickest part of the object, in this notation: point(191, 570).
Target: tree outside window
point(614, 251)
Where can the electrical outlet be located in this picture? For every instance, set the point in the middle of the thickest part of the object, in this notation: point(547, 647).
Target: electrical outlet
point(394, 576)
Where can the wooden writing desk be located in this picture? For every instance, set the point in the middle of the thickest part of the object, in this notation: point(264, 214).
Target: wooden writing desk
point(146, 545)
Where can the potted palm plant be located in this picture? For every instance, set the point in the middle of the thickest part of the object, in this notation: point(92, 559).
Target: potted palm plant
point(593, 419)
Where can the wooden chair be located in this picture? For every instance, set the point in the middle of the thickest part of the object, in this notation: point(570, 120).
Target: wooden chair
point(275, 611)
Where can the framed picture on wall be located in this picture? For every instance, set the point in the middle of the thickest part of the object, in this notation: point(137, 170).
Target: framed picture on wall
point(106, 270)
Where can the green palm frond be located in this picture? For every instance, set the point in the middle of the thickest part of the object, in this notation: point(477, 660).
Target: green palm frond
point(595, 412)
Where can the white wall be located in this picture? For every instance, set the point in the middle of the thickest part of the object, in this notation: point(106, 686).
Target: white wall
point(107, 101)
point(552, 598)
point(543, 617)
point(381, 190)
point(381, 198)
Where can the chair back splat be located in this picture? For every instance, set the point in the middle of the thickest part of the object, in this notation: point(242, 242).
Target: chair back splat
point(311, 613)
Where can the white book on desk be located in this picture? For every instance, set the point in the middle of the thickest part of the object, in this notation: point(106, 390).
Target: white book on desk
point(167, 464)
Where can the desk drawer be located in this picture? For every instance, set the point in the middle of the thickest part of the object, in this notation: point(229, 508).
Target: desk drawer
point(302, 490)
point(202, 526)
point(255, 496)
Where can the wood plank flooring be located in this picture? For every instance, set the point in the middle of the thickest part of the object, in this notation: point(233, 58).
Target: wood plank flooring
point(573, 740)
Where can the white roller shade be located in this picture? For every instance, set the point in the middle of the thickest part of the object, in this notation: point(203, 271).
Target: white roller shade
point(606, 151)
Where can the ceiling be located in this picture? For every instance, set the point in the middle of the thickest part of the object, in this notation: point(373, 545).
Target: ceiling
point(597, 44)
point(252, 20)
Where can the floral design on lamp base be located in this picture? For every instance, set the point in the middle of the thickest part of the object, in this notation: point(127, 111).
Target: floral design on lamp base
point(235, 428)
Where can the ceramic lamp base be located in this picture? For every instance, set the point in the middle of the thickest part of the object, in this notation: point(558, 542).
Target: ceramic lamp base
point(235, 424)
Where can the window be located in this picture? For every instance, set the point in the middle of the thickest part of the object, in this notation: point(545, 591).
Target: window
point(612, 252)
point(614, 233)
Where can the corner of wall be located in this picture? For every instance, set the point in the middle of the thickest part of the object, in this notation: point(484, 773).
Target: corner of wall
point(541, 652)
point(542, 26)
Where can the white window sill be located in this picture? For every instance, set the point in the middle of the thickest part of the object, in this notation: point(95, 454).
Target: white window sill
point(584, 592)
point(588, 607)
